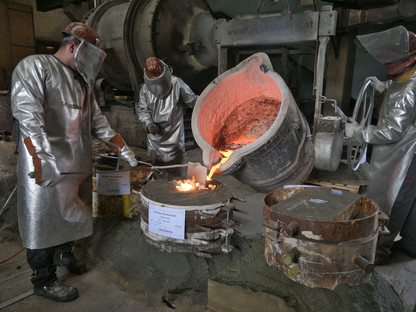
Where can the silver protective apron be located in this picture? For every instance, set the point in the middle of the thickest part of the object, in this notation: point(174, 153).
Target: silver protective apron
point(167, 112)
point(394, 142)
point(57, 113)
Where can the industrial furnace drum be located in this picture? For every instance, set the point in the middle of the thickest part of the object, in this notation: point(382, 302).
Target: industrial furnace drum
point(249, 119)
point(321, 237)
point(196, 221)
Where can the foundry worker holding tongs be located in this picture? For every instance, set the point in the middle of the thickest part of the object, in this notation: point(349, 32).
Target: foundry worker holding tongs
point(160, 108)
point(52, 98)
point(392, 171)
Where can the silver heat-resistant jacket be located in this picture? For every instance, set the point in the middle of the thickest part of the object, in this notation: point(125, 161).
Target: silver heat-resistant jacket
point(394, 141)
point(57, 114)
point(168, 113)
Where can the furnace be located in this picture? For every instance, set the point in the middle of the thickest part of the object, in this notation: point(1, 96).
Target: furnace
point(321, 237)
point(197, 221)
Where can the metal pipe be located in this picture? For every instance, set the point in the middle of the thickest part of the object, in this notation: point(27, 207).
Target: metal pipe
point(319, 78)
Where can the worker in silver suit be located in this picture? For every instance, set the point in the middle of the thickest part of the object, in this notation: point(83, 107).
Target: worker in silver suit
point(160, 108)
point(392, 171)
point(53, 101)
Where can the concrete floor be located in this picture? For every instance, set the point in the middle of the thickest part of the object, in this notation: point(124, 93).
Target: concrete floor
point(97, 292)
point(100, 292)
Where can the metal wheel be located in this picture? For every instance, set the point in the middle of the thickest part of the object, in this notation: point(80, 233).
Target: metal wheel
point(363, 111)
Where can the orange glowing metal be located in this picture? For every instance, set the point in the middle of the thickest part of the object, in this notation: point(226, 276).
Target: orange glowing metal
point(243, 141)
point(186, 185)
point(226, 154)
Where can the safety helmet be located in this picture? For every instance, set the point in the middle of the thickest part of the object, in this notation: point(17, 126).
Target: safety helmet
point(153, 67)
point(82, 31)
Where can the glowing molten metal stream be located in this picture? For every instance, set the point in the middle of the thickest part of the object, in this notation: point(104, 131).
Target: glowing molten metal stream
point(227, 154)
point(190, 185)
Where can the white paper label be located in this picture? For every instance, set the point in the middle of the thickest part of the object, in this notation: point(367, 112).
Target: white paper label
point(113, 183)
point(169, 222)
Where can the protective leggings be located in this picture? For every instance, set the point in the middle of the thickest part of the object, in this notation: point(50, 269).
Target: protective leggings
point(41, 261)
point(402, 217)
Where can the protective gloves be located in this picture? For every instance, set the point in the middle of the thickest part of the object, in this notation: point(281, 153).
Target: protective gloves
point(153, 128)
point(49, 175)
point(127, 154)
point(377, 84)
point(351, 128)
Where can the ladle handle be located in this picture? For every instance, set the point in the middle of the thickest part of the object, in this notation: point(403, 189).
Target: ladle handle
point(291, 229)
point(364, 264)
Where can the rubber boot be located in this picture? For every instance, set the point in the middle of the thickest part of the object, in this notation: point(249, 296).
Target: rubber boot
point(68, 261)
point(57, 291)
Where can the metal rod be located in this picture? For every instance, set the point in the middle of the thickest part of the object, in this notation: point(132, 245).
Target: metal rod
point(15, 299)
point(8, 199)
point(14, 275)
point(319, 78)
point(32, 174)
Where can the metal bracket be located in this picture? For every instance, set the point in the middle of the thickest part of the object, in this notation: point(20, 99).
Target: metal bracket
point(382, 219)
point(273, 225)
point(327, 21)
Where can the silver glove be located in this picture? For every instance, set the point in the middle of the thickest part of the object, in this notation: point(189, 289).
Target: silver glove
point(351, 129)
point(153, 128)
point(378, 85)
point(51, 176)
point(127, 154)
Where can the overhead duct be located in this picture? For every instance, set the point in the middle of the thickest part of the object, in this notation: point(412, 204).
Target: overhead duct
point(361, 4)
point(178, 32)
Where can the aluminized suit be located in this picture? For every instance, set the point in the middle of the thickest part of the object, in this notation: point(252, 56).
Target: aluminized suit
point(57, 113)
point(394, 139)
point(167, 111)
point(392, 171)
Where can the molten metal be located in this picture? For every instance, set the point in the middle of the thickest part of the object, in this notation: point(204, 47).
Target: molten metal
point(226, 155)
point(188, 185)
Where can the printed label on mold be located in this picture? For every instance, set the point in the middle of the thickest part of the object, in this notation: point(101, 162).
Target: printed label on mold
point(113, 183)
point(167, 222)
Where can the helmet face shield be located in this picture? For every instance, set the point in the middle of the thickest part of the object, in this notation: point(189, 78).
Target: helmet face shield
point(386, 46)
point(161, 85)
point(88, 61)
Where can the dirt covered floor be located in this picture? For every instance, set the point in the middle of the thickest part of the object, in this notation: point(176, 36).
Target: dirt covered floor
point(162, 281)
point(119, 251)
point(128, 274)
point(252, 272)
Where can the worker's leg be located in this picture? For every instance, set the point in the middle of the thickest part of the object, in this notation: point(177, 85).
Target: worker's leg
point(400, 211)
point(407, 244)
point(64, 257)
point(44, 277)
point(41, 262)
